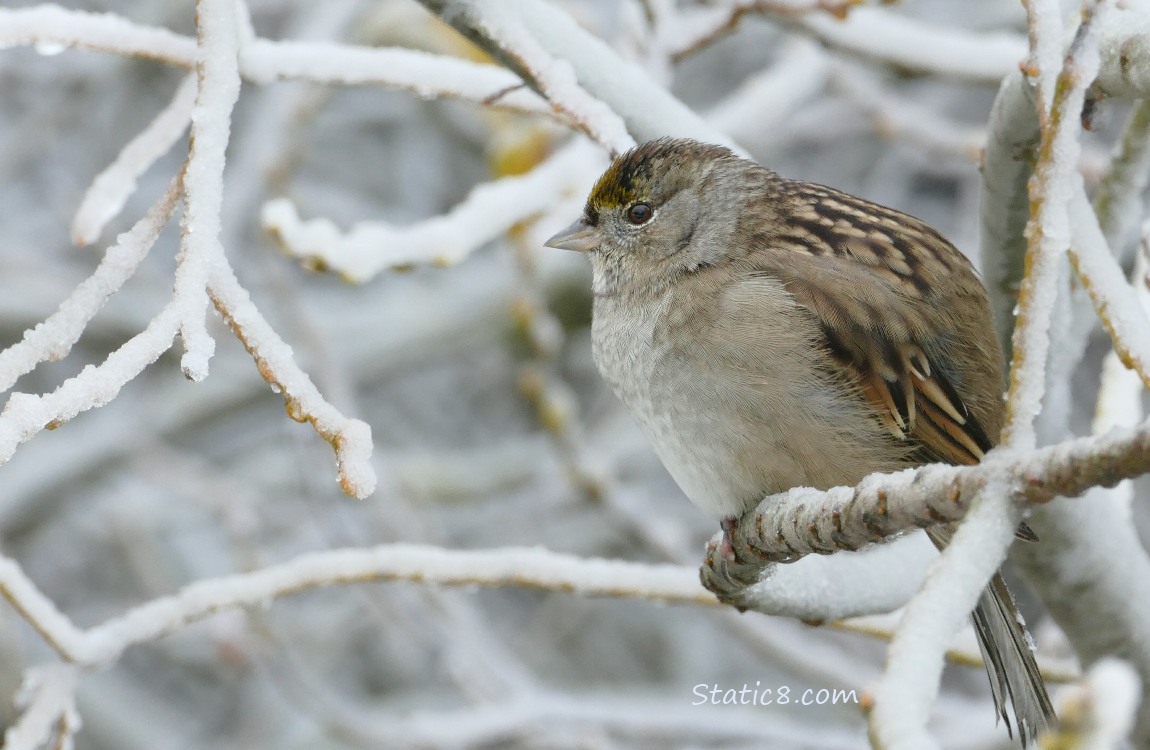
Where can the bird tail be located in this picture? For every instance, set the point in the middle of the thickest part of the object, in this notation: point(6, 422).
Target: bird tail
point(1008, 653)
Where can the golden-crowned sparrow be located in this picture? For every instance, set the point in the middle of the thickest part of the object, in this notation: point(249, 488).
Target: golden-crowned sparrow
point(771, 333)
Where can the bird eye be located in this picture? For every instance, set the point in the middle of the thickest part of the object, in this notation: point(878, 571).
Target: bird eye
point(640, 213)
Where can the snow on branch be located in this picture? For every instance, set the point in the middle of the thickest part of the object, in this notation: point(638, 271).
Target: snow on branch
point(54, 338)
point(1118, 305)
point(911, 44)
point(550, 36)
point(1051, 193)
point(202, 268)
point(554, 67)
point(49, 26)
point(507, 26)
point(423, 73)
point(537, 568)
point(217, 70)
point(527, 567)
point(804, 521)
point(25, 415)
point(870, 32)
point(47, 701)
point(487, 212)
point(903, 696)
point(262, 61)
point(108, 193)
point(349, 438)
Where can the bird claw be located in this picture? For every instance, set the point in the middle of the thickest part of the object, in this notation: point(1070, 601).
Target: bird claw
point(727, 546)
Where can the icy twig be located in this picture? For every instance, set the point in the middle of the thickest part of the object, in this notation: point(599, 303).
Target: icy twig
point(49, 25)
point(876, 34)
point(202, 261)
point(1051, 191)
point(427, 75)
point(217, 70)
point(543, 33)
point(1125, 50)
point(54, 338)
point(1044, 33)
point(791, 587)
point(1120, 390)
point(262, 61)
point(526, 567)
point(47, 700)
point(1116, 302)
point(25, 415)
point(487, 212)
point(842, 589)
point(505, 23)
point(349, 438)
point(1118, 205)
point(903, 696)
point(802, 521)
point(910, 44)
point(1119, 198)
point(38, 610)
point(626, 90)
point(1012, 139)
point(108, 193)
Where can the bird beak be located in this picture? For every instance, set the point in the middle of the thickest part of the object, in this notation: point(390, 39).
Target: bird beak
point(580, 237)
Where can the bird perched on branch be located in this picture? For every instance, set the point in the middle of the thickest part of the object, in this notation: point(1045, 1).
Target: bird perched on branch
point(769, 333)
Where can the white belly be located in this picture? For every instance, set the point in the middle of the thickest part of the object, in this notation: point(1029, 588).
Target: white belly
point(728, 444)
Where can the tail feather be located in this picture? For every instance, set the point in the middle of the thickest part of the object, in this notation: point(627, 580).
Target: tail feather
point(1008, 653)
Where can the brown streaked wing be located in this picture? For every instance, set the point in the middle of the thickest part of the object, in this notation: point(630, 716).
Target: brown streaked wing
point(862, 270)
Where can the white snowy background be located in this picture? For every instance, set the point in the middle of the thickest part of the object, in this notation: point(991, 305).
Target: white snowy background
point(385, 209)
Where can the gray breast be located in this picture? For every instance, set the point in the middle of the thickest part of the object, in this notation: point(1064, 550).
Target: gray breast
point(730, 432)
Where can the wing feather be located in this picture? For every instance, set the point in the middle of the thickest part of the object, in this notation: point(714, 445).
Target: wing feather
point(894, 300)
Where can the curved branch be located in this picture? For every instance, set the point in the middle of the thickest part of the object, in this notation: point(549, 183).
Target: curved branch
point(803, 521)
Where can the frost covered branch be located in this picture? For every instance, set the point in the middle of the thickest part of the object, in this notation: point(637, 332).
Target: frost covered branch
point(531, 568)
point(505, 28)
point(264, 61)
point(217, 71)
point(803, 521)
point(487, 213)
point(202, 270)
point(47, 700)
point(1061, 97)
point(434, 361)
point(869, 32)
point(647, 109)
